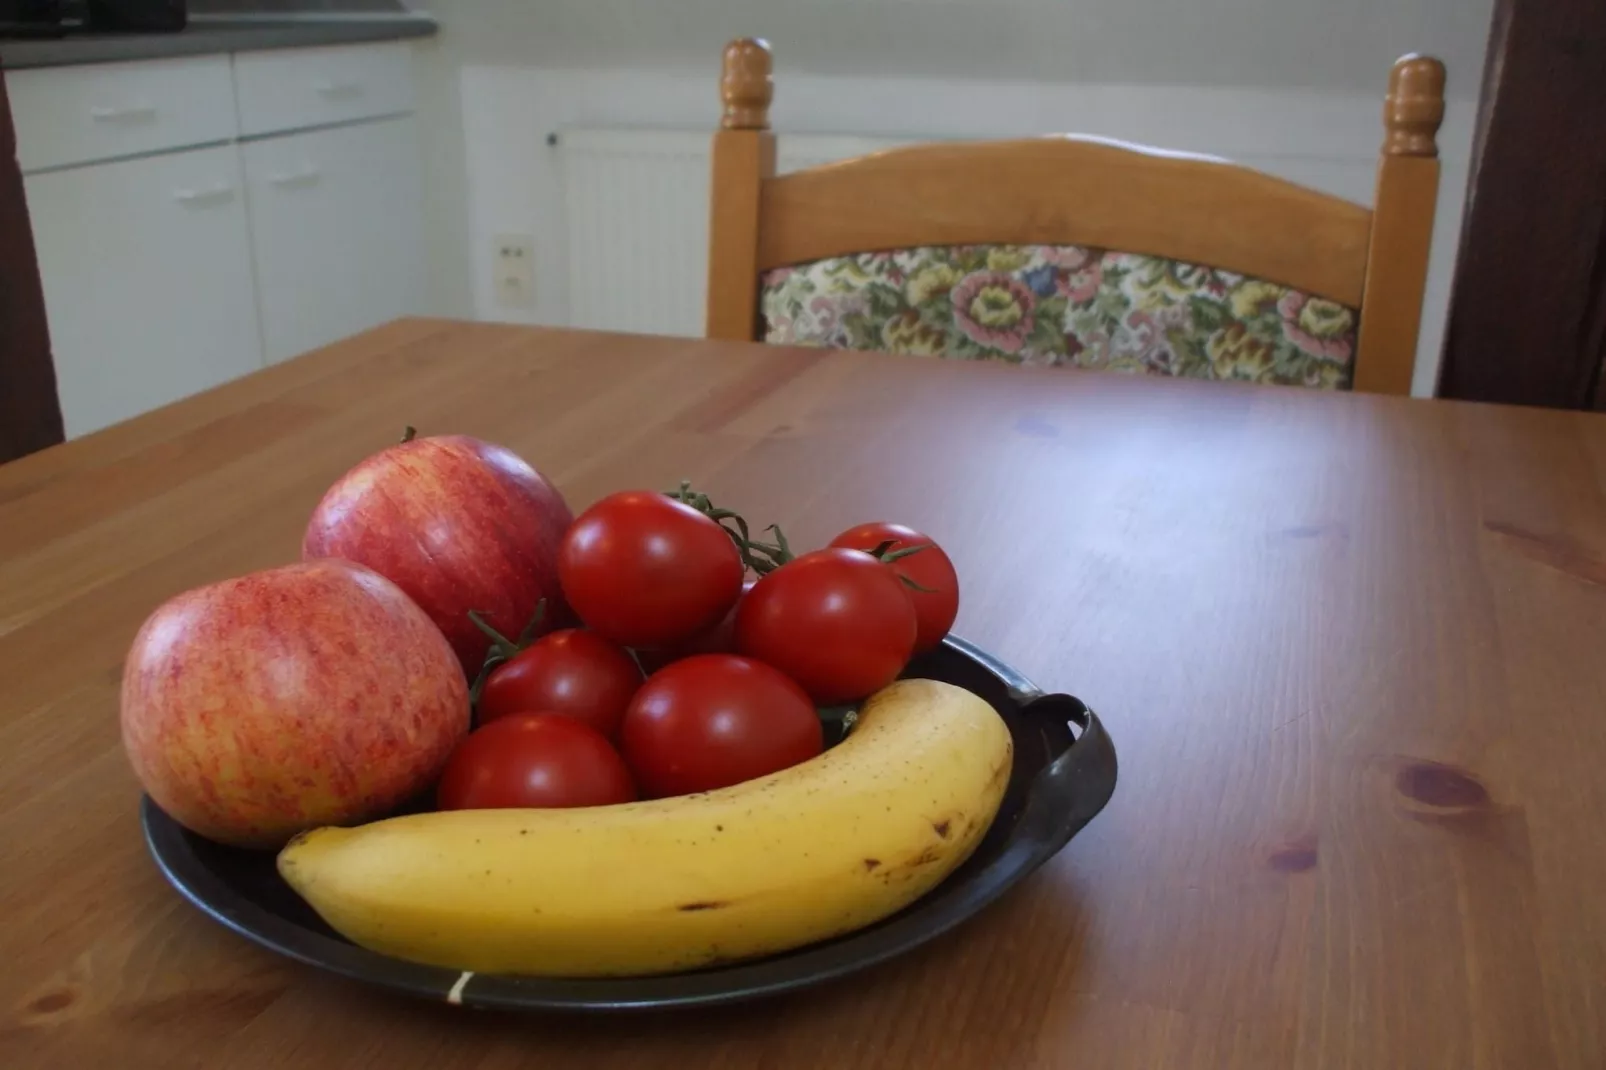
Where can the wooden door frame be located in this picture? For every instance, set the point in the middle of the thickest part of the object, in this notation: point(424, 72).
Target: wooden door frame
point(1527, 320)
point(30, 412)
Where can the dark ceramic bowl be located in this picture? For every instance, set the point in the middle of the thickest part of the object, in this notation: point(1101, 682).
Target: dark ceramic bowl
point(1064, 774)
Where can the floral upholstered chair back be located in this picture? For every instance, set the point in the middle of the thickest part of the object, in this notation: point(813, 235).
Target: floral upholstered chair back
point(1075, 251)
point(1063, 305)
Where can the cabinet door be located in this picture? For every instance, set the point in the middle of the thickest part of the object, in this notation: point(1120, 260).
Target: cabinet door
point(146, 267)
point(336, 221)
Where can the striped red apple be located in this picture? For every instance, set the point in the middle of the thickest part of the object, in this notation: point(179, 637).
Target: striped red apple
point(313, 694)
point(457, 523)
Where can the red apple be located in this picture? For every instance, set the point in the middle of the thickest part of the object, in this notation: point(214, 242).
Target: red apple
point(458, 524)
point(314, 694)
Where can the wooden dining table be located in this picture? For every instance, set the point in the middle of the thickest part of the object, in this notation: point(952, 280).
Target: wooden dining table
point(1351, 650)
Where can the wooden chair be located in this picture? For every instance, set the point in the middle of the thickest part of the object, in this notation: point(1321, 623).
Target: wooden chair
point(1275, 281)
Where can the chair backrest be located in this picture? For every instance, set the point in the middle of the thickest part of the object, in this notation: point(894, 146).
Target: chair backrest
point(1071, 191)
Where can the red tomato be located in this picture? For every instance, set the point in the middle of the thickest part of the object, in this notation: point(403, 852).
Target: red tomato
point(545, 760)
point(645, 570)
point(937, 605)
point(715, 720)
point(573, 672)
point(837, 621)
point(720, 639)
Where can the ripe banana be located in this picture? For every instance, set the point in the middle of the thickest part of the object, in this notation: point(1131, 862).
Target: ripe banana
point(811, 852)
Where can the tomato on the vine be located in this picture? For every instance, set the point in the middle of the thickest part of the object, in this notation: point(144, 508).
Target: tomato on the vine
point(720, 639)
point(572, 672)
point(543, 760)
point(837, 621)
point(645, 570)
point(715, 720)
point(936, 596)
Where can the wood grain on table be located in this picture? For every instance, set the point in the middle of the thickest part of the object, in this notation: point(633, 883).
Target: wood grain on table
point(1349, 647)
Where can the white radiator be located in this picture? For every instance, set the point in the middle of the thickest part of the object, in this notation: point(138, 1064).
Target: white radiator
point(636, 214)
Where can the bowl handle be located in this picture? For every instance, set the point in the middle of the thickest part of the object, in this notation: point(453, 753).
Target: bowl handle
point(1070, 791)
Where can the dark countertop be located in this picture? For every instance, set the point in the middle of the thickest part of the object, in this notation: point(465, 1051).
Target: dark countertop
point(210, 35)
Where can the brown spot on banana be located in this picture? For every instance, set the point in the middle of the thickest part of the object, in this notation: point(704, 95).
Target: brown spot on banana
point(710, 904)
point(52, 1002)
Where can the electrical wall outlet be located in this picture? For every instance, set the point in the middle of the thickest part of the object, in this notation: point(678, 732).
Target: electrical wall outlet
point(514, 268)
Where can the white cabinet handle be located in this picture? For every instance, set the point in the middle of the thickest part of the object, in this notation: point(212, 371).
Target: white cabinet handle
point(305, 176)
point(337, 90)
point(220, 193)
point(130, 113)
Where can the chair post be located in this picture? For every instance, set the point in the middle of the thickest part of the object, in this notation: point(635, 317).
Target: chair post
point(743, 157)
point(1402, 227)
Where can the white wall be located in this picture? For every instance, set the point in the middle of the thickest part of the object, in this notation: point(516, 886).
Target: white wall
point(1327, 139)
point(1312, 44)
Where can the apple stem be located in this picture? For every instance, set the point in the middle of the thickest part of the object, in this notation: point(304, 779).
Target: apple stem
point(409, 433)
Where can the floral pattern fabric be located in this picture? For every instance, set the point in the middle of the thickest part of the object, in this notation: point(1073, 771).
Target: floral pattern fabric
point(1089, 308)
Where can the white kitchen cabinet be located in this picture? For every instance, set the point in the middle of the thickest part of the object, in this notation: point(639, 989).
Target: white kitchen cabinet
point(300, 88)
point(146, 266)
point(73, 115)
point(336, 222)
point(198, 217)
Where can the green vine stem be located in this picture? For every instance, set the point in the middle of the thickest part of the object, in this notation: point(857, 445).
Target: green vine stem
point(765, 557)
point(885, 554)
point(502, 648)
point(762, 557)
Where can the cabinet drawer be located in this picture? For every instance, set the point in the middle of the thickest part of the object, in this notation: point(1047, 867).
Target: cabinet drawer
point(306, 87)
point(68, 115)
point(335, 220)
point(146, 266)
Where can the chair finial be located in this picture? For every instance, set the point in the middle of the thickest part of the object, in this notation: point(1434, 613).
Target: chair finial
point(746, 86)
point(1414, 107)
